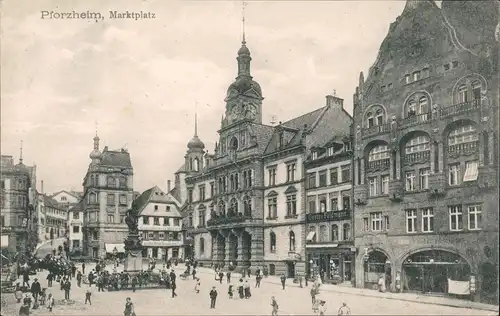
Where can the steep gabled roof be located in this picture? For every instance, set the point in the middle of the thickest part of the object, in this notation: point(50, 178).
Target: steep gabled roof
point(335, 122)
point(152, 195)
point(116, 159)
point(50, 202)
point(74, 194)
point(263, 134)
point(77, 207)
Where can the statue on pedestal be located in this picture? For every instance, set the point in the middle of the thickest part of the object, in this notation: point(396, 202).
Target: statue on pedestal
point(133, 243)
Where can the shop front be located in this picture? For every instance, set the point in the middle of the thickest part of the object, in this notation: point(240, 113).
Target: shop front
point(333, 263)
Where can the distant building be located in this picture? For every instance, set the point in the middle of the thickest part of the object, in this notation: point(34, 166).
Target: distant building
point(18, 203)
point(56, 219)
point(108, 194)
point(160, 225)
point(75, 228)
point(67, 199)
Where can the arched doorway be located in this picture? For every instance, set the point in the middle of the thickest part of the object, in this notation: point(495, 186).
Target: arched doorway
point(221, 248)
point(489, 283)
point(233, 248)
point(435, 271)
point(377, 264)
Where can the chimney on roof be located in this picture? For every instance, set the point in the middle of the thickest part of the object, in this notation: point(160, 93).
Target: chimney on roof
point(334, 101)
point(41, 186)
point(168, 186)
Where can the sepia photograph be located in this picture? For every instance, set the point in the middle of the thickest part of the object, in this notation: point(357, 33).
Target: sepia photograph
point(229, 157)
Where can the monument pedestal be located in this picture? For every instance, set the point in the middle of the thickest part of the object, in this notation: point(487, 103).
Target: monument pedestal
point(133, 247)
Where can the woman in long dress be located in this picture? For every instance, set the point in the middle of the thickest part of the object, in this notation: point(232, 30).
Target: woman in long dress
point(129, 308)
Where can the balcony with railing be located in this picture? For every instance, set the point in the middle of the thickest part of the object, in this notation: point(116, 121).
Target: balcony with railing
point(418, 157)
point(376, 165)
point(416, 119)
point(461, 108)
point(377, 129)
point(463, 149)
point(227, 220)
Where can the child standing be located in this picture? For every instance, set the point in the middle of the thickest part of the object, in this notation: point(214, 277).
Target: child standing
point(230, 291)
point(274, 304)
point(50, 302)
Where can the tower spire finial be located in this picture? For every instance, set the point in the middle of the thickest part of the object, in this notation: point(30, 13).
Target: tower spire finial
point(21, 153)
point(96, 127)
point(195, 124)
point(243, 5)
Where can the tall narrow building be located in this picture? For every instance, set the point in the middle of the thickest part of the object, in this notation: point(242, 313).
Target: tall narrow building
point(108, 194)
point(426, 153)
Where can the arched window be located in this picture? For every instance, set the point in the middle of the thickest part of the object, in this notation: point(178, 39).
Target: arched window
point(110, 181)
point(231, 182)
point(379, 152)
point(463, 134)
point(335, 232)
point(291, 239)
point(417, 144)
point(222, 208)
point(323, 233)
point(233, 144)
point(476, 90)
point(347, 231)
point(202, 245)
point(379, 117)
point(123, 182)
point(212, 209)
point(272, 245)
point(196, 164)
point(92, 198)
point(233, 208)
point(369, 120)
point(247, 206)
point(411, 109)
point(462, 94)
point(423, 105)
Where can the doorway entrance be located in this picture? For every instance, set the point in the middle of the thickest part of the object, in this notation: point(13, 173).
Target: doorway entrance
point(376, 265)
point(290, 269)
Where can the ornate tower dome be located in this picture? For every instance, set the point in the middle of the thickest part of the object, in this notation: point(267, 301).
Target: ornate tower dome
point(95, 154)
point(195, 143)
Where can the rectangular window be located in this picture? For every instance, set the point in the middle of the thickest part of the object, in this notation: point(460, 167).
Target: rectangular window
point(190, 195)
point(322, 204)
point(386, 222)
point(372, 186)
point(330, 151)
point(334, 176)
point(425, 73)
point(410, 181)
point(111, 199)
point(122, 219)
point(156, 221)
point(376, 219)
point(161, 235)
point(334, 204)
point(311, 180)
point(212, 189)
point(346, 202)
point(291, 205)
point(123, 199)
point(411, 221)
point(145, 220)
point(407, 79)
point(177, 222)
point(166, 221)
point(290, 172)
point(202, 193)
point(471, 171)
point(474, 217)
point(312, 206)
point(111, 218)
point(76, 229)
point(346, 173)
point(314, 155)
point(427, 220)
point(454, 174)
point(76, 215)
point(272, 207)
point(272, 176)
point(424, 178)
point(456, 217)
point(416, 76)
point(384, 190)
point(156, 207)
point(322, 178)
point(366, 224)
point(2, 221)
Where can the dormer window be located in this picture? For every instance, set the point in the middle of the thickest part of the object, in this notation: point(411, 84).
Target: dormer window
point(314, 155)
point(280, 136)
point(416, 76)
point(407, 79)
point(330, 151)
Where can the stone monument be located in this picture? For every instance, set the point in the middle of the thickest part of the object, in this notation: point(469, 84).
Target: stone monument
point(133, 243)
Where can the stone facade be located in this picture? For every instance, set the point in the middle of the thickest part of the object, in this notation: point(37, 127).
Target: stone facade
point(108, 194)
point(426, 152)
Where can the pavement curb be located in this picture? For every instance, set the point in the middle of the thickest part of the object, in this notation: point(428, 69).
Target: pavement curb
point(491, 308)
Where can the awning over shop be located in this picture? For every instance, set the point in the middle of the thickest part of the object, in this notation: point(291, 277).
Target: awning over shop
point(112, 248)
point(310, 236)
point(322, 246)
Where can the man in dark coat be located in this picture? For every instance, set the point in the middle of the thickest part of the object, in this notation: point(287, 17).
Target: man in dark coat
point(173, 286)
point(172, 276)
point(36, 289)
point(213, 297)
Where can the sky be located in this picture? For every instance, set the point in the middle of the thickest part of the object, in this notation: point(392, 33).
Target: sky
point(139, 83)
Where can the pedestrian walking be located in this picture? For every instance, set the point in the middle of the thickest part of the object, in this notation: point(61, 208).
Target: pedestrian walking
point(197, 286)
point(24, 310)
point(274, 304)
point(221, 276)
point(283, 279)
point(134, 283)
point(129, 308)
point(246, 288)
point(88, 295)
point(79, 277)
point(228, 277)
point(194, 274)
point(50, 302)
point(230, 291)
point(322, 308)
point(173, 286)
point(213, 297)
point(35, 289)
point(344, 310)
point(67, 289)
point(83, 268)
point(258, 278)
point(18, 294)
point(50, 278)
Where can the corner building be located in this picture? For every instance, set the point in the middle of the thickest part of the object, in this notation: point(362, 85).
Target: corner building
point(426, 153)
